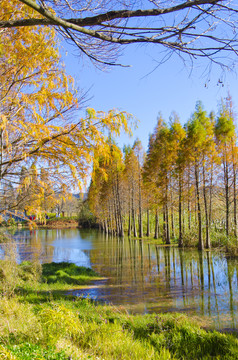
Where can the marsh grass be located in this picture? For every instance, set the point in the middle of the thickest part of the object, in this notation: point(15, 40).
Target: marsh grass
point(67, 273)
point(37, 325)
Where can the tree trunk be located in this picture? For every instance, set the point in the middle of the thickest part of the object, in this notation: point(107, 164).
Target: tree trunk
point(164, 224)
point(148, 223)
point(133, 213)
point(180, 213)
point(129, 215)
point(129, 223)
point(156, 225)
point(206, 210)
point(189, 203)
point(226, 181)
point(210, 195)
point(200, 241)
point(234, 194)
point(120, 217)
point(172, 217)
point(167, 218)
point(140, 208)
point(105, 227)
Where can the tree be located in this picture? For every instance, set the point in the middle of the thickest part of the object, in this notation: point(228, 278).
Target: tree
point(139, 153)
point(195, 28)
point(226, 143)
point(158, 168)
point(179, 159)
point(132, 175)
point(105, 195)
point(199, 137)
point(150, 179)
point(39, 120)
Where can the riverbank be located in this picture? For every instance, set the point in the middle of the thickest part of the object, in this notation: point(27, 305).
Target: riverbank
point(38, 321)
point(59, 223)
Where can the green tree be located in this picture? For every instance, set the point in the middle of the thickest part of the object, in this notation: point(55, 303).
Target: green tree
point(199, 144)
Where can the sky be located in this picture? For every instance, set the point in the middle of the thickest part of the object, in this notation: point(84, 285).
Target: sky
point(144, 89)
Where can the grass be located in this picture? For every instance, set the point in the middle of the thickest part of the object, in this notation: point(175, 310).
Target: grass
point(39, 323)
point(67, 273)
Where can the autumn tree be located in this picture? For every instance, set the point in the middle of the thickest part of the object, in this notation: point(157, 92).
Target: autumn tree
point(39, 120)
point(179, 160)
point(105, 191)
point(139, 153)
point(131, 174)
point(200, 147)
point(160, 161)
point(150, 181)
point(226, 147)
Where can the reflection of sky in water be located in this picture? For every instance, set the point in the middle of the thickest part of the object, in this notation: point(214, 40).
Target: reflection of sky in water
point(75, 255)
point(51, 245)
point(144, 278)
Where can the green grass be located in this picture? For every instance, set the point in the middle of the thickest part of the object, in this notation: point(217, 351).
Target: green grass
point(67, 273)
point(37, 324)
point(28, 351)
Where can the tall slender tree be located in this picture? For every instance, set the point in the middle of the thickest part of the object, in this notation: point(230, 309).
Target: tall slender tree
point(226, 139)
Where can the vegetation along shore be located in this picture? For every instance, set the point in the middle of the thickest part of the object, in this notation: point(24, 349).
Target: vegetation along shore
point(38, 321)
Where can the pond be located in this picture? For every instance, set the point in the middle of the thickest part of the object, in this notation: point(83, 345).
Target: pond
point(142, 277)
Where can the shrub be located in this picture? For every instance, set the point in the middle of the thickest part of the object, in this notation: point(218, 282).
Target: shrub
point(11, 222)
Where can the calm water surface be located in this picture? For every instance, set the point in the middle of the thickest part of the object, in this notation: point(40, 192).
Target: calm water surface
point(143, 278)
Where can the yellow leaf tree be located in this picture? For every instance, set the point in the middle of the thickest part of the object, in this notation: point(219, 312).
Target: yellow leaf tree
point(39, 107)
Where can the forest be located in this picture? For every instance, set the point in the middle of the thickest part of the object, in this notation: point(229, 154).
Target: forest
point(183, 189)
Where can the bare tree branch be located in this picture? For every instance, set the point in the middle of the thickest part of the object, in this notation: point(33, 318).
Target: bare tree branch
point(196, 28)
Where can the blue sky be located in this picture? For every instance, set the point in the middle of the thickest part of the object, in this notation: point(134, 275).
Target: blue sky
point(144, 90)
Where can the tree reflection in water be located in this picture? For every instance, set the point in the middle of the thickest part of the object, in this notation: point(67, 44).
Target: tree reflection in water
point(145, 277)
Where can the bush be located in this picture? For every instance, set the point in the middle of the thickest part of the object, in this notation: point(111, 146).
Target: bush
point(12, 275)
point(11, 222)
point(190, 237)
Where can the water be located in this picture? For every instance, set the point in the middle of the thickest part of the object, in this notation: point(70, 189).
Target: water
point(143, 278)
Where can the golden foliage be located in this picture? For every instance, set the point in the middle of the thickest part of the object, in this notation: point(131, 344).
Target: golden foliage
point(39, 120)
